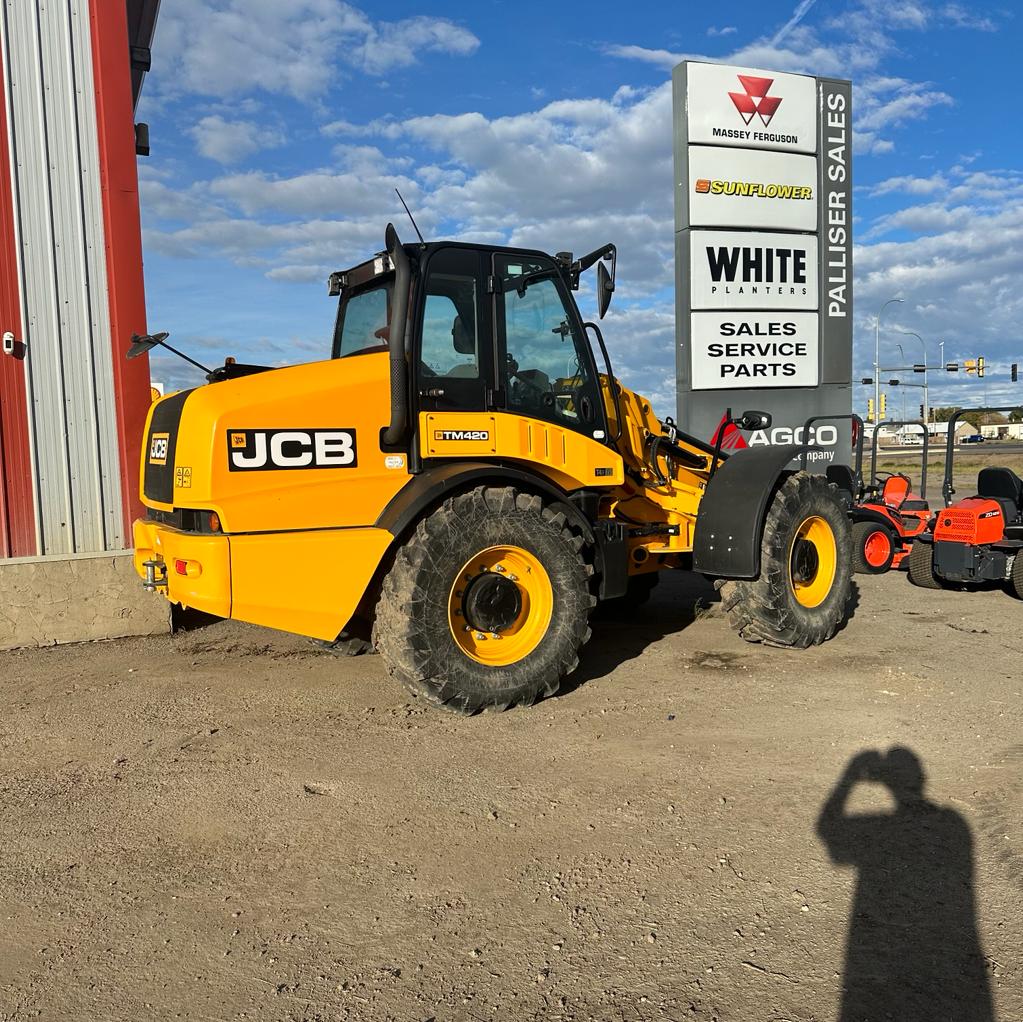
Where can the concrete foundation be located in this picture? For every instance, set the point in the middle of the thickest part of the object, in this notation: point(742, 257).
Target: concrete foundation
point(49, 600)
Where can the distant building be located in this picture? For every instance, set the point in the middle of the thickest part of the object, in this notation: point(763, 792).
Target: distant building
point(1003, 431)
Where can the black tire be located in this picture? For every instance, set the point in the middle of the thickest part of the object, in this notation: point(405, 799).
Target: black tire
point(864, 533)
point(413, 631)
point(1017, 575)
point(641, 588)
point(767, 609)
point(921, 566)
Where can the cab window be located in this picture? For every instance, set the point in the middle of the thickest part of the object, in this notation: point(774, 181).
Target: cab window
point(547, 368)
point(450, 327)
point(364, 322)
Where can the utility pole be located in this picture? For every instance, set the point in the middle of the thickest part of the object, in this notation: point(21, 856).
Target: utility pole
point(927, 406)
point(877, 351)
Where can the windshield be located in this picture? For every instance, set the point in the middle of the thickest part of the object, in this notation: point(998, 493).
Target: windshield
point(363, 321)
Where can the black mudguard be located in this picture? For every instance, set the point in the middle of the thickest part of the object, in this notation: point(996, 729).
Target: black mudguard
point(730, 522)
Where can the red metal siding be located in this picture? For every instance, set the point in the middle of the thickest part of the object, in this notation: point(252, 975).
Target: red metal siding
point(17, 501)
point(123, 235)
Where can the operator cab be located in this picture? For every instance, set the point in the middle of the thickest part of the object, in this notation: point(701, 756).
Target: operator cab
point(489, 329)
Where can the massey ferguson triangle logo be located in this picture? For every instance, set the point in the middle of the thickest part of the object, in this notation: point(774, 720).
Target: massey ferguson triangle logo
point(732, 439)
point(755, 100)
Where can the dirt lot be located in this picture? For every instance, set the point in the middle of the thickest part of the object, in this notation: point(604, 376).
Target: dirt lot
point(230, 824)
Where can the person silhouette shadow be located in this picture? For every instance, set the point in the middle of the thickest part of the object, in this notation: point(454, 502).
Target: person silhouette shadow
point(913, 952)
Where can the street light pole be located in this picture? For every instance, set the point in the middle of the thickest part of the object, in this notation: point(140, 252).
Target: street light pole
point(927, 406)
point(877, 355)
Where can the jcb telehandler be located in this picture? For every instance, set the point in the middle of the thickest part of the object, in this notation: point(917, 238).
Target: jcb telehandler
point(460, 484)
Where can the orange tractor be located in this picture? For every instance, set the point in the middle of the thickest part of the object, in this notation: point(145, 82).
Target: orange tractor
point(977, 539)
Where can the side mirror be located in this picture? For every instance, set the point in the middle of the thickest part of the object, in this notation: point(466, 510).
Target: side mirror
point(140, 344)
point(605, 288)
point(755, 420)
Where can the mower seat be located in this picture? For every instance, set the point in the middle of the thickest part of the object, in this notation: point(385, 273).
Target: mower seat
point(1004, 486)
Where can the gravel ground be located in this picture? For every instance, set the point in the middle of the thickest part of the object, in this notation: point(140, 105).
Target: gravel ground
point(232, 824)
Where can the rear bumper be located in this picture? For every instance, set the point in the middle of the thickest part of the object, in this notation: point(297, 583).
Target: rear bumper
point(308, 582)
point(197, 569)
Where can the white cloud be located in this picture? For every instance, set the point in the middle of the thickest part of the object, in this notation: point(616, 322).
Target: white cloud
point(723, 31)
point(232, 141)
point(226, 48)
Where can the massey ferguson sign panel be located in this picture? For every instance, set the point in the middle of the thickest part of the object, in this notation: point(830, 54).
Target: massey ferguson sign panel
point(751, 109)
point(751, 188)
point(752, 270)
point(754, 350)
point(763, 250)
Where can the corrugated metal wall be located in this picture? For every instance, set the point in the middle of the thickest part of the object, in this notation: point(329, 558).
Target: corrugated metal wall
point(65, 310)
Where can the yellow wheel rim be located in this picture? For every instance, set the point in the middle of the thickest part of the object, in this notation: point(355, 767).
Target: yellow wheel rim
point(500, 605)
point(813, 561)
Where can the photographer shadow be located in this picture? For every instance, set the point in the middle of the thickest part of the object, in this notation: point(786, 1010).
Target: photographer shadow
point(913, 952)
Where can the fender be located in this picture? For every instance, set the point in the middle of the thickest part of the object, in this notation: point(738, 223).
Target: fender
point(730, 522)
point(438, 480)
point(864, 514)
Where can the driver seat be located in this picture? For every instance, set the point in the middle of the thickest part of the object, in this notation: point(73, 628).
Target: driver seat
point(1005, 487)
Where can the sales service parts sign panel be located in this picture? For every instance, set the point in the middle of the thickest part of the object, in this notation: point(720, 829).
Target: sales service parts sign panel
point(751, 189)
point(752, 109)
point(750, 350)
point(753, 270)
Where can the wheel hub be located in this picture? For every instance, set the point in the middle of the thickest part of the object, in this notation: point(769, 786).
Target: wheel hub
point(491, 602)
point(805, 561)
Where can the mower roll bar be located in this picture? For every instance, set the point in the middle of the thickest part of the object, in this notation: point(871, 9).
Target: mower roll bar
point(947, 489)
point(873, 450)
point(853, 417)
point(398, 426)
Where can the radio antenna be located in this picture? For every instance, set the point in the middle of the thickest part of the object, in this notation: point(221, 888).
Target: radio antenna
point(422, 240)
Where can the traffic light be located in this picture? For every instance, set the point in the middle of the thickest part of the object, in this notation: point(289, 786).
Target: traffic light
point(970, 365)
point(921, 411)
point(1014, 371)
point(980, 365)
point(870, 409)
point(884, 408)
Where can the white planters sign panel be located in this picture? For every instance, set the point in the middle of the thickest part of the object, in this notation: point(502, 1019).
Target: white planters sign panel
point(731, 188)
point(753, 270)
point(754, 109)
point(749, 350)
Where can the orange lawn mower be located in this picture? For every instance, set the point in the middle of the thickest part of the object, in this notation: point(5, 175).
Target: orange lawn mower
point(977, 539)
point(886, 515)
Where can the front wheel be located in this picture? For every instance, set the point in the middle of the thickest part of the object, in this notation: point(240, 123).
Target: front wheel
point(487, 603)
point(803, 590)
point(873, 548)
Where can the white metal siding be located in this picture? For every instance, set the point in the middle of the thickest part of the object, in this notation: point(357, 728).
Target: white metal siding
point(55, 169)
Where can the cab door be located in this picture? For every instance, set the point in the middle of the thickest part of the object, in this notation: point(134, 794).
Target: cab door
point(544, 361)
point(455, 350)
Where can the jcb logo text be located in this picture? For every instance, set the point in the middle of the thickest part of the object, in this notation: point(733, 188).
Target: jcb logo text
point(250, 450)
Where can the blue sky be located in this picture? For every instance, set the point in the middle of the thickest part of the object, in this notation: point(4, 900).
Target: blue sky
point(280, 130)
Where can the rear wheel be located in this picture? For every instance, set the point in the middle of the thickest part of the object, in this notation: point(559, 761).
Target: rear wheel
point(873, 548)
point(486, 604)
point(801, 594)
point(921, 566)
